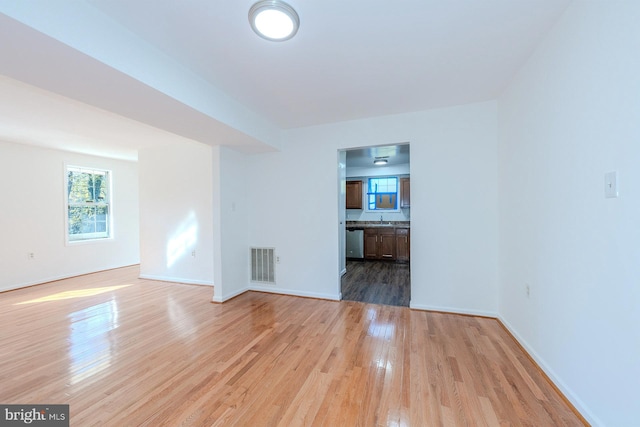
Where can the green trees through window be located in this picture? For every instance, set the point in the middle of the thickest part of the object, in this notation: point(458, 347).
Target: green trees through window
point(88, 204)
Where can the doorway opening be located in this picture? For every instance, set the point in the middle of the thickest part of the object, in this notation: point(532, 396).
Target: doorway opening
point(376, 223)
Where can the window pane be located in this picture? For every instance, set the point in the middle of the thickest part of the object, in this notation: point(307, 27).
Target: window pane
point(87, 186)
point(88, 203)
point(89, 221)
point(97, 186)
point(383, 193)
point(78, 187)
point(101, 218)
point(75, 220)
point(386, 201)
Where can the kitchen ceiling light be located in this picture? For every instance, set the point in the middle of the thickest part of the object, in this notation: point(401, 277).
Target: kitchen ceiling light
point(380, 162)
point(274, 20)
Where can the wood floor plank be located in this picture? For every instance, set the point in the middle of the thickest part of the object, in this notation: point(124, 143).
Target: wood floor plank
point(377, 282)
point(123, 351)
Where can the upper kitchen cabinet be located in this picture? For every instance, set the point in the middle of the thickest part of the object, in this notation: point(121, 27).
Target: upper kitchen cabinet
point(354, 194)
point(405, 193)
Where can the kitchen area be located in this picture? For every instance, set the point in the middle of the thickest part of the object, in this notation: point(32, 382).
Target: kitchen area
point(378, 226)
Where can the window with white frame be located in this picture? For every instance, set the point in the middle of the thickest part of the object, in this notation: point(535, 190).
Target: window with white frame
point(88, 203)
point(382, 193)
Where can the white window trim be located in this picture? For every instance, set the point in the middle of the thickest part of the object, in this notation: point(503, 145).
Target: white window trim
point(89, 240)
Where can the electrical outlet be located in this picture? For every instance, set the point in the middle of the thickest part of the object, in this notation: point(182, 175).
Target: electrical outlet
point(31, 256)
point(193, 253)
point(527, 289)
point(277, 260)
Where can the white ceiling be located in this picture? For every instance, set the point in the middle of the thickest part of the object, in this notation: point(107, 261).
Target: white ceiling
point(349, 60)
point(364, 157)
point(38, 117)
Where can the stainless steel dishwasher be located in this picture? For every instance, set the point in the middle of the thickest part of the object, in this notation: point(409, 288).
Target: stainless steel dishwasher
point(355, 243)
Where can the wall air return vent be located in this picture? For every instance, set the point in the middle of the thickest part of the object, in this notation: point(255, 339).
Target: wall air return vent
point(263, 263)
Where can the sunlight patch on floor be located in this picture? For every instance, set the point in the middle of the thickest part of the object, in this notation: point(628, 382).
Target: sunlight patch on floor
point(79, 293)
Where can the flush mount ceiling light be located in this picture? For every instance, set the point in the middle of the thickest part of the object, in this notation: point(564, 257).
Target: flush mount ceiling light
point(274, 20)
point(380, 161)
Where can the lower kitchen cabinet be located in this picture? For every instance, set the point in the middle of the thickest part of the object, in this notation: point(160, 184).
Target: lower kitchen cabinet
point(402, 244)
point(371, 243)
point(386, 243)
point(387, 246)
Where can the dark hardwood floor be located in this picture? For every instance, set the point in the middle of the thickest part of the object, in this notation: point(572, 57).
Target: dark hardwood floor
point(377, 282)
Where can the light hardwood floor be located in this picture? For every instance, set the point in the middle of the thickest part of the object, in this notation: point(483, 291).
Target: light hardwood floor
point(124, 351)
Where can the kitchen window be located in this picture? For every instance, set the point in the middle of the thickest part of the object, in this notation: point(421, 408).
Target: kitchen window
point(382, 194)
point(88, 198)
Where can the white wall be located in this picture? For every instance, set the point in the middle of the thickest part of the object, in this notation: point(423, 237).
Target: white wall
point(33, 211)
point(571, 115)
point(454, 205)
point(231, 247)
point(176, 213)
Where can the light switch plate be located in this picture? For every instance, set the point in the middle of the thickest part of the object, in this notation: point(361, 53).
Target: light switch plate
point(611, 185)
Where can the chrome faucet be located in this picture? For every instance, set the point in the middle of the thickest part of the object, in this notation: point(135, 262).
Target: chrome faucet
point(380, 219)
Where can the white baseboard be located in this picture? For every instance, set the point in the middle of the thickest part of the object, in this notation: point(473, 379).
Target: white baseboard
point(176, 280)
point(229, 296)
point(271, 289)
point(453, 310)
point(557, 381)
point(48, 279)
point(279, 291)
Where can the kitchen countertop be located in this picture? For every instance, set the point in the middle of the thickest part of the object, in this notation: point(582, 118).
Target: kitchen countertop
point(378, 224)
